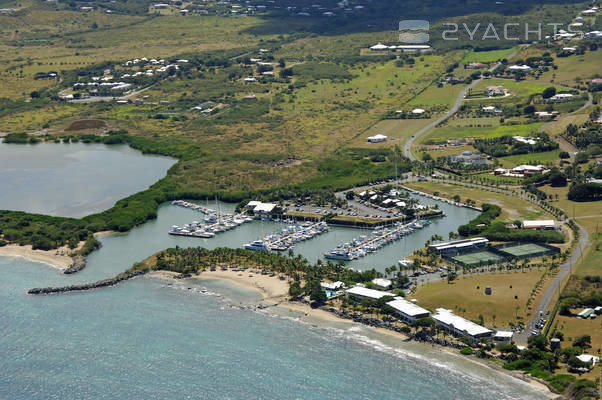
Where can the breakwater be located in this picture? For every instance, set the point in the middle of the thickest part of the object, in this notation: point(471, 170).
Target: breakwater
point(79, 263)
point(88, 286)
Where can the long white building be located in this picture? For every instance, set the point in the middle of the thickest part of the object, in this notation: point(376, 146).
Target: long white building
point(458, 245)
point(460, 326)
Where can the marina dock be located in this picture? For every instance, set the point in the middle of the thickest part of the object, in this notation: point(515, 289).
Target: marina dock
point(286, 238)
point(367, 244)
point(214, 223)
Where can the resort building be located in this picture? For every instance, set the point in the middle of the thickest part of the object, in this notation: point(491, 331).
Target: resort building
point(526, 140)
point(491, 110)
point(468, 158)
point(360, 293)
point(459, 326)
point(459, 245)
point(409, 312)
point(377, 138)
point(540, 224)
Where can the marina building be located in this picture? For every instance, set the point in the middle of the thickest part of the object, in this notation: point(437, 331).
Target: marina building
point(382, 283)
point(459, 245)
point(409, 312)
point(459, 326)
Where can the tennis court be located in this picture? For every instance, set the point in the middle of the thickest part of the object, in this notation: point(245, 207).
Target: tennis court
point(484, 257)
point(525, 250)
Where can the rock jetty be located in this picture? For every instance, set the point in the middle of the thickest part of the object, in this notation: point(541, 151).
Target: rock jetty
point(87, 286)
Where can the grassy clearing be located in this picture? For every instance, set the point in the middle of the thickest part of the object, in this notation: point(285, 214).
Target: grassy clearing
point(512, 207)
point(468, 294)
point(434, 96)
point(518, 90)
point(488, 56)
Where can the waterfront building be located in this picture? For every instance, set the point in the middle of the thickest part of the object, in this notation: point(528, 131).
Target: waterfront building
point(459, 326)
point(360, 293)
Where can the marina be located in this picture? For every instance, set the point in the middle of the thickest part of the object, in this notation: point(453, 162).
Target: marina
point(367, 244)
point(287, 237)
point(214, 222)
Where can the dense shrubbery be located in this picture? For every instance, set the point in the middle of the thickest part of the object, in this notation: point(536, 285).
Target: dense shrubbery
point(585, 192)
point(506, 145)
point(320, 70)
point(496, 231)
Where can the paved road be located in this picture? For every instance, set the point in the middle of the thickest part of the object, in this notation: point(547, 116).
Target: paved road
point(408, 144)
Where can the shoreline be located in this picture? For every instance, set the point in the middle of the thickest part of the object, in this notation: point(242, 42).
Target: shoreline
point(275, 291)
point(57, 258)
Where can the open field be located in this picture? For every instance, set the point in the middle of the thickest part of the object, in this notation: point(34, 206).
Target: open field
point(574, 69)
point(518, 90)
point(466, 296)
point(488, 56)
point(397, 131)
point(435, 96)
point(512, 207)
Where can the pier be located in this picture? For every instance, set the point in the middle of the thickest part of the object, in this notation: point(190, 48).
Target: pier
point(367, 244)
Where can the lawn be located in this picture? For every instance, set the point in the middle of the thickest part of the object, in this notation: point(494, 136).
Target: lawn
point(488, 56)
point(546, 158)
point(512, 207)
point(453, 131)
point(575, 68)
point(434, 96)
point(466, 296)
point(518, 90)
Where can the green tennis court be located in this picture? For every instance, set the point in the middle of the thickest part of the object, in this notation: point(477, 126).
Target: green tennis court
point(526, 250)
point(485, 257)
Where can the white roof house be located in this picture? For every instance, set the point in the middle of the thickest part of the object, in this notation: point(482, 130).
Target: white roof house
point(409, 312)
point(526, 140)
point(519, 68)
point(382, 282)
point(418, 111)
point(460, 326)
point(377, 138)
point(539, 224)
point(562, 97)
point(332, 286)
point(379, 46)
point(361, 292)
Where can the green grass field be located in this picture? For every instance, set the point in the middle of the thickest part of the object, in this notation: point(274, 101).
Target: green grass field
point(441, 134)
point(488, 56)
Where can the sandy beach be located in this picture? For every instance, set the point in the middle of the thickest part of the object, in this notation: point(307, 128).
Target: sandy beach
point(275, 290)
point(58, 258)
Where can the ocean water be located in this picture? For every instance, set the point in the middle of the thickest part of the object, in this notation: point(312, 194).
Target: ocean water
point(147, 339)
point(73, 180)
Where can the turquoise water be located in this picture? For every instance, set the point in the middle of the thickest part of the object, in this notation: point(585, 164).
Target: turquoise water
point(147, 340)
point(73, 180)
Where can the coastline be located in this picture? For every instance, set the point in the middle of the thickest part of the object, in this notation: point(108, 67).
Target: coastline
point(275, 291)
point(57, 258)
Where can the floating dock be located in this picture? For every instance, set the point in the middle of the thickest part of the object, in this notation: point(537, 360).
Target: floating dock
point(367, 244)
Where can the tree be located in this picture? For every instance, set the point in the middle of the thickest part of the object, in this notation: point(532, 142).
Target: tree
point(349, 195)
point(35, 94)
point(583, 341)
point(528, 110)
point(316, 293)
point(539, 342)
point(548, 92)
point(564, 155)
